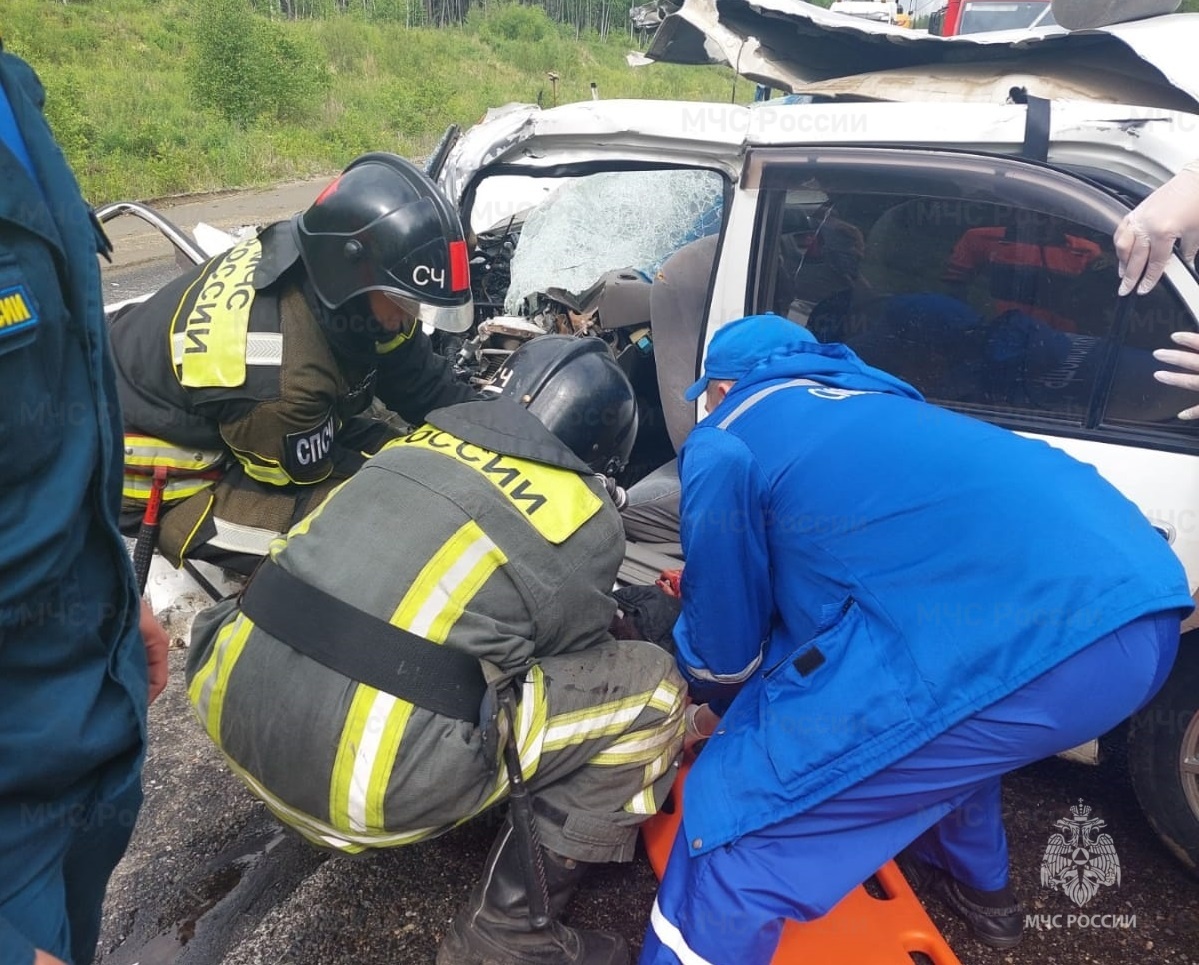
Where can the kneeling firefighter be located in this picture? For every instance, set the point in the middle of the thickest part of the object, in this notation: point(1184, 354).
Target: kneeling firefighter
point(244, 382)
point(477, 554)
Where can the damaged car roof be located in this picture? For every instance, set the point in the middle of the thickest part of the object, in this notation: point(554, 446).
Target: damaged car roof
point(801, 48)
point(1143, 144)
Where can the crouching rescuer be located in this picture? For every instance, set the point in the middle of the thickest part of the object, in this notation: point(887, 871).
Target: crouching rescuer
point(442, 626)
point(247, 383)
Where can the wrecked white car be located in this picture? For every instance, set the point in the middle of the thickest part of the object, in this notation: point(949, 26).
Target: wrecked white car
point(649, 224)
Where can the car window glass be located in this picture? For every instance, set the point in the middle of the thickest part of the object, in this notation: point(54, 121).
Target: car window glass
point(506, 199)
point(980, 17)
point(1136, 398)
point(1001, 305)
point(567, 237)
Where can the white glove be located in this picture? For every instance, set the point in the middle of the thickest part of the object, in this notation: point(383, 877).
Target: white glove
point(1188, 360)
point(1145, 238)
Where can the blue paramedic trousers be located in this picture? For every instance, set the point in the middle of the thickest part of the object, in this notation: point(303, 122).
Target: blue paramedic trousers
point(729, 905)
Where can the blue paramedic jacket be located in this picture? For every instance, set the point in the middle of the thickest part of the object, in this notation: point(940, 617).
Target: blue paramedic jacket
point(72, 662)
point(865, 570)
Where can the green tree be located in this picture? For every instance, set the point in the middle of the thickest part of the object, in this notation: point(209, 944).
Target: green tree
point(246, 67)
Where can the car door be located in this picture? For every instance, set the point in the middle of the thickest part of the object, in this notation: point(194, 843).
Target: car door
point(990, 285)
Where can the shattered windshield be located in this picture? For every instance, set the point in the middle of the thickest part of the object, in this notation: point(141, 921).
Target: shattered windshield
point(614, 220)
point(505, 198)
point(983, 16)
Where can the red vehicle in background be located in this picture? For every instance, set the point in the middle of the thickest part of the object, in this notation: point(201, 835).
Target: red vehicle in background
point(981, 16)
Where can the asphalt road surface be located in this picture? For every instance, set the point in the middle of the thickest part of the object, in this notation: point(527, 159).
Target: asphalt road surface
point(211, 878)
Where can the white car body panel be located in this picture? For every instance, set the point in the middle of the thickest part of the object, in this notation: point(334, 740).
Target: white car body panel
point(1162, 484)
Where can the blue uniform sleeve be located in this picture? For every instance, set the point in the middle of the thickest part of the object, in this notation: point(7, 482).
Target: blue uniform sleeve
point(727, 595)
point(15, 948)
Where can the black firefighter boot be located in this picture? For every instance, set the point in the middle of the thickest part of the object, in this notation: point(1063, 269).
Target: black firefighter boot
point(494, 929)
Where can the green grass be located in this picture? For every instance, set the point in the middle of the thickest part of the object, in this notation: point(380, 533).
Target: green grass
point(129, 110)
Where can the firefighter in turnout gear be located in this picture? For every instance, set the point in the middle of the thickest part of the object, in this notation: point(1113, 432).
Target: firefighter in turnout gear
point(248, 377)
point(478, 552)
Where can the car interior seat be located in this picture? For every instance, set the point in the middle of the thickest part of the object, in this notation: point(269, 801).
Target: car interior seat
point(909, 246)
point(678, 299)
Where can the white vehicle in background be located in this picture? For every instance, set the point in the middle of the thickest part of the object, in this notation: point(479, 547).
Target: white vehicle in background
point(880, 11)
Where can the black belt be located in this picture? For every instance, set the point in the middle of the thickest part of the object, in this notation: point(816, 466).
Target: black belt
point(364, 648)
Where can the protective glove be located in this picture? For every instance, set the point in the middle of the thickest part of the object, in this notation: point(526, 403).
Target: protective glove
point(700, 723)
point(646, 613)
point(1184, 360)
point(1145, 238)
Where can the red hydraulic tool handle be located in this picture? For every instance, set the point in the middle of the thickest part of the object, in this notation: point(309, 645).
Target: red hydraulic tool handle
point(147, 533)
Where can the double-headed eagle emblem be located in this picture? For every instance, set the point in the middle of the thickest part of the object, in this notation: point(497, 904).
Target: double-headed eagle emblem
point(1080, 861)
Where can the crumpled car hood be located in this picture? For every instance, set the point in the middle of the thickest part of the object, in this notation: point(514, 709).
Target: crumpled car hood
point(801, 48)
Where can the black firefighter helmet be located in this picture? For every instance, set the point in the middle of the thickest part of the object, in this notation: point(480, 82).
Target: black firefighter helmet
point(384, 226)
point(576, 390)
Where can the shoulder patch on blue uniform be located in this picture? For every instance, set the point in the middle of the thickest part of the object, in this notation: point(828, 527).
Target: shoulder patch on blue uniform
point(17, 310)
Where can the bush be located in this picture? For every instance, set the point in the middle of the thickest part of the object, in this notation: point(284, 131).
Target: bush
point(246, 68)
point(294, 75)
point(514, 22)
point(66, 111)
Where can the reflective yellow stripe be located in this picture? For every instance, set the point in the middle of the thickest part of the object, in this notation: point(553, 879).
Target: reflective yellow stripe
point(668, 697)
point(215, 330)
point(208, 687)
point(147, 452)
point(138, 487)
point(301, 528)
point(602, 720)
point(195, 529)
point(384, 763)
point(265, 470)
point(529, 736)
point(656, 746)
point(637, 747)
point(530, 728)
point(644, 801)
point(448, 582)
point(347, 751)
point(318, 831)
point(556, 502)
point(374, 728)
